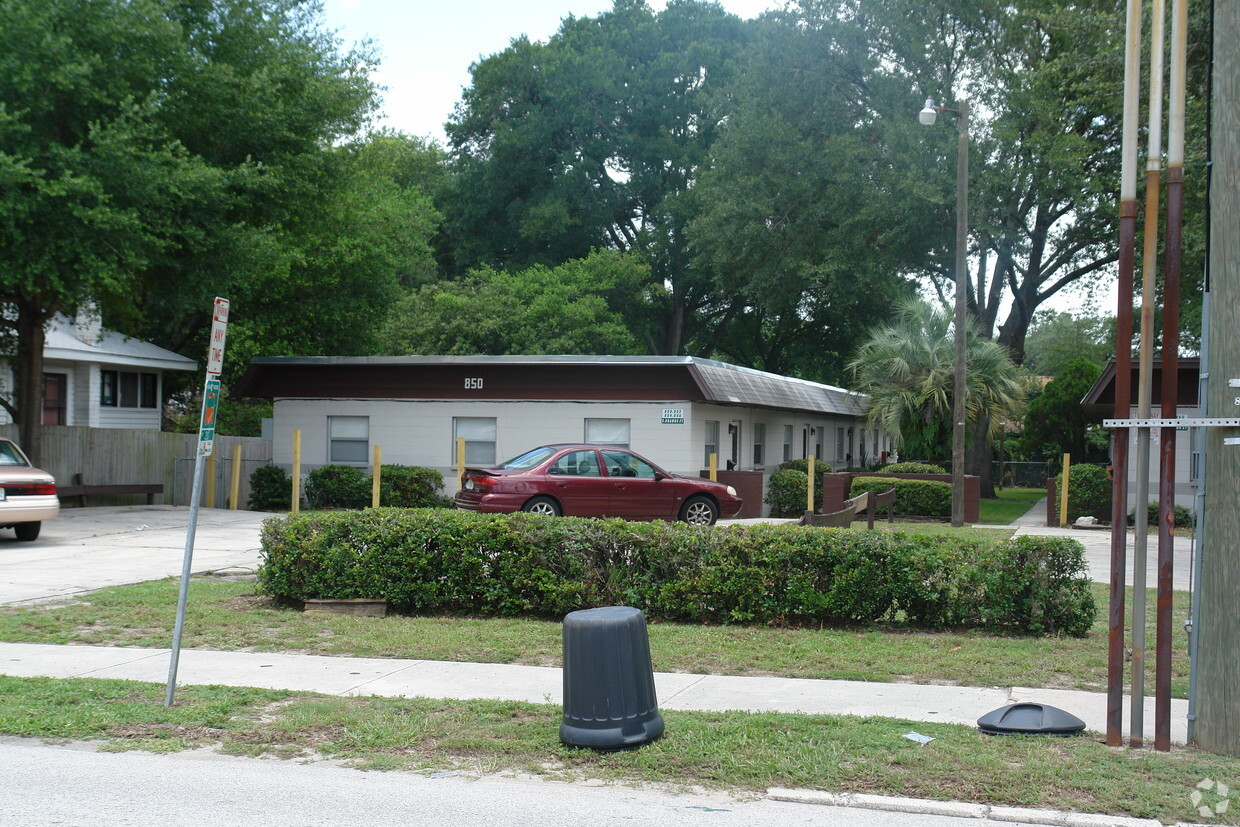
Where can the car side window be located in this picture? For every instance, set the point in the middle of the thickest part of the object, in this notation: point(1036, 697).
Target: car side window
point(576, 464)
point(621, 464)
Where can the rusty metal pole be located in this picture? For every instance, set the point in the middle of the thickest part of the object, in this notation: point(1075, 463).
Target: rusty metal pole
point(1149, 258)
point(1123, 375)
point(1170, 369)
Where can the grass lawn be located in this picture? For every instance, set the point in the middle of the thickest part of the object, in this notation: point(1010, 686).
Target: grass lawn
point(227, 615)
point(729, 750)
point(1011, 504)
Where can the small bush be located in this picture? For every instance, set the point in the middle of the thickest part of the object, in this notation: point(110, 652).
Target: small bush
point(271, 489)
point(785, 493)
point(431, 560)
point(338, 486)
point(914, 498)
point(410, 486)
point(912, 468)
point(1089, 492)
point(1182, 517)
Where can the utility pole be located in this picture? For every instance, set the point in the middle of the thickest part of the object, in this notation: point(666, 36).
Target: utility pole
point(1217, 725)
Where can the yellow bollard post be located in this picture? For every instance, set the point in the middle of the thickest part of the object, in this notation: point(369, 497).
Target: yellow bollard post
point(296, 503)
point(809, 489)
point(460, 461)
point(374, 482)
point(234, 492)
point(713, 465)
point(1063, 491)
point(210, 494)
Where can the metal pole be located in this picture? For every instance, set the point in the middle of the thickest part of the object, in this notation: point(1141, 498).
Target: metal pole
point(1199, 446)
point(1136, 729)
point(183, 597)
point(1123, 375)
point(962, 287)
point(1170, 371)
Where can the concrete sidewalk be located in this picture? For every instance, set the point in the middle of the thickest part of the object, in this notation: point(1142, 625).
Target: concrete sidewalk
point(533, 684)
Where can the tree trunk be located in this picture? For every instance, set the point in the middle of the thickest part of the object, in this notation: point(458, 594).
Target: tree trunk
point(30, 338)
point(979, 460)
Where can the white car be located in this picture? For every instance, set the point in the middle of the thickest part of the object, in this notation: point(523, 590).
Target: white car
point(27, 495)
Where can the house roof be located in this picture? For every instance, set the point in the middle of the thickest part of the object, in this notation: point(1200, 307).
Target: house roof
point(1100, 400)
point(542, 377)
point(108, 347)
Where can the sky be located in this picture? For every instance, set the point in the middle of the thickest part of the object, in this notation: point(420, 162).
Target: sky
point(426, 48)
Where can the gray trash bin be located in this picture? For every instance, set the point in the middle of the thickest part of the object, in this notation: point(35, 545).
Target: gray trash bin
point(609, 697)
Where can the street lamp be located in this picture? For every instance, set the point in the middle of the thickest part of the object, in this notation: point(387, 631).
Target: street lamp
point(928, 116)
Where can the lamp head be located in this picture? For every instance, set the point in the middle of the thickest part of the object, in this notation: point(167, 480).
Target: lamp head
point(929, 114)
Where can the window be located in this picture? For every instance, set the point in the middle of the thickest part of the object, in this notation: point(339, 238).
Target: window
point(127, 389)
point(759, 443)
point(712, 441)
point(55, 391)
point(623, 464)
point(479, 435)
point(841, 452)
point(576, 464)
point(348, 438)
point(608, 432)
point(787, 443)
point(818, 437)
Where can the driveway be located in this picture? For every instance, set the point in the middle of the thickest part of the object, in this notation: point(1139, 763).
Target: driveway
point(88, 548)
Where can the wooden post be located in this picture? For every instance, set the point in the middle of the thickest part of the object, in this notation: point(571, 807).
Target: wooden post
point(234, 489)
point(1063, 493)
point(375, 476)
point(713, 467)
point(809, 488)
point(296, 504)
point(460, 461)
point(1217, 725)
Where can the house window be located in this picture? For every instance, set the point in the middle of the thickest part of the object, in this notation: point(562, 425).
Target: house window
point(348, 438)
point(128, 389)
point(608, 432)
point(787, 443)
point(841, 452)
point(712, 441)
point(55, 391)
point(818, 438)
point(759, 443)
point(479, 435)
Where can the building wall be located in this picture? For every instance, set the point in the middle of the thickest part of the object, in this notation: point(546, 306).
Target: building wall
point(1185, 468)
point(420, 432)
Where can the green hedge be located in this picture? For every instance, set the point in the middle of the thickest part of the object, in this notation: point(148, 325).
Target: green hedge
point(914, 498)
point(1089, 492)
point(400, 486)
point(435, 561)
point(911, 468)
point(785, 493)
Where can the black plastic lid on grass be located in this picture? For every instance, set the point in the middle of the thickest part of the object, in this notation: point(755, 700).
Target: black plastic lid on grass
point(1030, 719)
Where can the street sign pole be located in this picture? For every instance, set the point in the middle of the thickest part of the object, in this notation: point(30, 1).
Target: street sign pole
point(206, 443)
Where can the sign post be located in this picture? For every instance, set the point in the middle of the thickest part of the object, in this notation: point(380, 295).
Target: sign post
point(206, 443)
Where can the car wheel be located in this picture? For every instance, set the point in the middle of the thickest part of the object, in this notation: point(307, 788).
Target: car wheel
point(699, 511)
point(542, 505)
point(27, 531)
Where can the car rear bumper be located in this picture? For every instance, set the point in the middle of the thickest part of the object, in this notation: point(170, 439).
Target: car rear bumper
point(16, 510)
point(490, 503)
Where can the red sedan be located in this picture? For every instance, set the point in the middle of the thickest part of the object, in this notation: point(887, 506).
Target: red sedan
point(594, 481)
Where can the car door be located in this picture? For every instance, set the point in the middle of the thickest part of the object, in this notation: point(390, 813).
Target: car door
point(637, 491)
point(577, 481)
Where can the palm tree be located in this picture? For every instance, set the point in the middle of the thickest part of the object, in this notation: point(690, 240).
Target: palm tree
point(906, 369)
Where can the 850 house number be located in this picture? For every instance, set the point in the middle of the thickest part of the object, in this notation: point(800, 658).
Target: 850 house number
point(473, 383)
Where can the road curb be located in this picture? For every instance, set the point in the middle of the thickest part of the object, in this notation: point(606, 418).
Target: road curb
point(959, 809)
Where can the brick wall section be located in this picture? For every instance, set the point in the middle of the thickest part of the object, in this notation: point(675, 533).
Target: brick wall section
point(835, 489)
point(748, 485)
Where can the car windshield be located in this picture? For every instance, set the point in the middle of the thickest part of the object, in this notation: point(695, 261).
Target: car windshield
point(528, 460)
point(10, 455)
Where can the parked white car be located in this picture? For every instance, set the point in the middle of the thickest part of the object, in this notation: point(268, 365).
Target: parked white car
point(27, 495)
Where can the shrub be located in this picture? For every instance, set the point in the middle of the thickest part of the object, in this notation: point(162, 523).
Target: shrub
point(410, 486)
point(338, 486)
point(271, 489)
point(431, 560)
point(1089, 492)
point(912, 468)
point(1182, 517)
point(785, 493)
point(920, 498)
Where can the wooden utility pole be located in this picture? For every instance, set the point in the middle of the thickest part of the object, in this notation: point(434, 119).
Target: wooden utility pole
point(1217, 725)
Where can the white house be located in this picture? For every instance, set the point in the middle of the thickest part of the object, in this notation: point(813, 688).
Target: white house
point(99, 378)
point(676, 410)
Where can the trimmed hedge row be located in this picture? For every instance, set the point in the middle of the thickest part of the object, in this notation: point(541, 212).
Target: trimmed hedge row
point(435, 561)
point(922, 498)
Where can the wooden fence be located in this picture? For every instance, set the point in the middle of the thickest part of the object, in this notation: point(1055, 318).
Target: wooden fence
point(117, 455)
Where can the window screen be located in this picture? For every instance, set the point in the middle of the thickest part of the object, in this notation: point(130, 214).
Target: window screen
point(479, 435)
point(608, 432)
point(348, 438)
